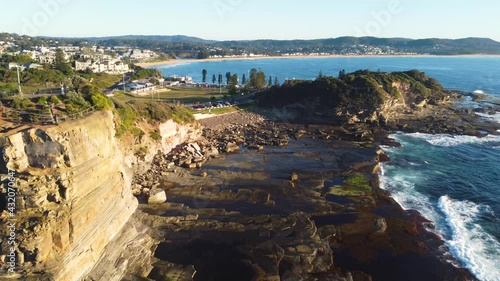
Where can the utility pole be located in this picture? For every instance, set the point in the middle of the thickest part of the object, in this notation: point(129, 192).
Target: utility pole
point(19, 82)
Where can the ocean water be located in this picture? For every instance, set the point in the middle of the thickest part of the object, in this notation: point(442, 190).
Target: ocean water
point(462, 73)
point(454, 181)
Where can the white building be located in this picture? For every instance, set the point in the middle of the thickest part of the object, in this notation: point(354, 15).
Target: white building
point(107, 66)
point(183, 79)
point(140, 88)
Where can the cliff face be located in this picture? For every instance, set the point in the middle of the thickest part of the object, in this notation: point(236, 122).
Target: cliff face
point(139, 152)
point(74, 197)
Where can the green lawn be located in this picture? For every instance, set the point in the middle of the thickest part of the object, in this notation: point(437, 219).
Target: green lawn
point(217, 111)
point(183, 95)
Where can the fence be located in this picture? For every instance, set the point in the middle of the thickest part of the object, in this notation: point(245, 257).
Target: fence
point(26, 117)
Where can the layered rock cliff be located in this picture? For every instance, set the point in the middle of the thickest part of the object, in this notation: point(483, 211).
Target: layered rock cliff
point(74, 205)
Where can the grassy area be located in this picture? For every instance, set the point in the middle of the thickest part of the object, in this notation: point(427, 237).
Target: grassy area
point(27, 89)
point(182, 95)
point(355, 185)
point(221, 110)
point(102, 80)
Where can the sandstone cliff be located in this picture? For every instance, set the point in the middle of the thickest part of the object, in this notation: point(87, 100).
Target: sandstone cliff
point(74, 198)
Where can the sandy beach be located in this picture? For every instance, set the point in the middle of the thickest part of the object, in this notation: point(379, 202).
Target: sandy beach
point(182, 61)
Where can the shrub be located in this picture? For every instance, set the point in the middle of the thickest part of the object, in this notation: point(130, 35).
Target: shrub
point(155, 135)
point(100, 101)
point(136, 132)
point(21, 103)
point(42, 101)
point(75, 102)
point(55, 100)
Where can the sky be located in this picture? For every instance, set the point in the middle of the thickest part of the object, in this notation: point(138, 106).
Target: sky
point(253, 19)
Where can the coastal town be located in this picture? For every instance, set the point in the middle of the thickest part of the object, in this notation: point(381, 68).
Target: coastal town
point(116, 59)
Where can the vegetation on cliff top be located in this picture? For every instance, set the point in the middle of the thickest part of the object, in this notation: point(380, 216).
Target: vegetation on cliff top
point(362, 89)
point(127, 114)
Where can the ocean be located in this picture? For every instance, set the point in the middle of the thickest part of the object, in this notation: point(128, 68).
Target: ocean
point(453, 181)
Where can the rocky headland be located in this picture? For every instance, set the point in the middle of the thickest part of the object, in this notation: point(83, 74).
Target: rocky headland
point(288, 192)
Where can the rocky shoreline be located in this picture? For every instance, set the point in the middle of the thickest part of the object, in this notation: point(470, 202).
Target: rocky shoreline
point(281, 201)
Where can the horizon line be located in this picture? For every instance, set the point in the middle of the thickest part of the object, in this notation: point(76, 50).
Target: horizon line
point(261, 39)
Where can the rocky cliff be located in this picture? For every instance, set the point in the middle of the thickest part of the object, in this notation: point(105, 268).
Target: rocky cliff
point(74, 206)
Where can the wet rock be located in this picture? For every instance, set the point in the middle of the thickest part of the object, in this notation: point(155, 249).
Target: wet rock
point(168, 271)
point(380, 225)
point(391, 143)
point(360, 276)
point(211, 152)
point(261, 197)
point(256, 147)
point(232, 147)
point(190, 165)
point(382, 157)
point(243, 195)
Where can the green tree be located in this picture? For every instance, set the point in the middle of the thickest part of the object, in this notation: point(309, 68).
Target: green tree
point(228, 78)
point(203, 55)
point(220, 79)
point(204, 73)
point(244, 79)
point(92, 95)
point(89, 90)
point(61, 64)
point(253, 77)
point(320, 75)
point(75, 102)
point(20, 59)
point(234, 80)
point(276, 82)
point(257, 78)
point(233, 90)
point(341, 74)
point(270, 83)
point(214, 79)
point(261, 79)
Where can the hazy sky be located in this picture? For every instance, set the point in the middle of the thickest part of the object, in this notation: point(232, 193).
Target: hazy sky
point(254, 19)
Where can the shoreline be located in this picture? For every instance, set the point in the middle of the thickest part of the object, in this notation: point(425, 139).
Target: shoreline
point(360, 240)
point(183, 61)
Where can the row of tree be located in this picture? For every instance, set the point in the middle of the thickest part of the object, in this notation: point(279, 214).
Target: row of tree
point(257, 79)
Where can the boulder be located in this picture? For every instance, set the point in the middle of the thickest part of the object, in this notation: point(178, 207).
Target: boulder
point(232, 147)
point(157, 196)
point(380, 225)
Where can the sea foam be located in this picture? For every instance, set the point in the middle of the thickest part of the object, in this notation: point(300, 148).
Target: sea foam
point(495, 117)
point(401, 185)
point(454, 140)
point(475, 248)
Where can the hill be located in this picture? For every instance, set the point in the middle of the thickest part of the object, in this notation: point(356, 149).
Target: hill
point(359, 96)
point(194, 47)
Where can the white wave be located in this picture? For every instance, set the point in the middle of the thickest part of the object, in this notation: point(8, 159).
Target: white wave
point(478, 92)
point(402, 189)
point(495, 117)
point(454, 140)
point(476, 249)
